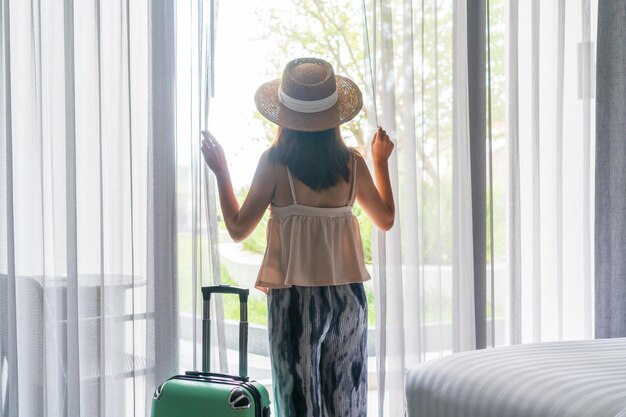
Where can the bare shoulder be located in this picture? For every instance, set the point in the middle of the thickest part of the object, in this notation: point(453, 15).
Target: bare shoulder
point(265, 157)
point(357, 155)
point(364, 181)
point(265, 169)
point(361, 164)
point(265, 161)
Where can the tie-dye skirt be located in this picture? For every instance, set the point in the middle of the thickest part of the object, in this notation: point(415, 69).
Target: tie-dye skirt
point(318, 347)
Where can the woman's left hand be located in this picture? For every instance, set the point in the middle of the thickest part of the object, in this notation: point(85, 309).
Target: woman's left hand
point(214, 154)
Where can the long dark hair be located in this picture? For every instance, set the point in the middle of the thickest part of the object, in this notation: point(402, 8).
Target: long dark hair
point(318, 159)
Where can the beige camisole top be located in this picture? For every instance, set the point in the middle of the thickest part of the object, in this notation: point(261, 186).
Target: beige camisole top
point(312, 246)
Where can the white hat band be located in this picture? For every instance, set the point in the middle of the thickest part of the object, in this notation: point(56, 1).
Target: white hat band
point(305, 106)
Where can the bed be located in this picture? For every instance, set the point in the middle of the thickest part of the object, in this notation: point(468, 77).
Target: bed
point(573, 379)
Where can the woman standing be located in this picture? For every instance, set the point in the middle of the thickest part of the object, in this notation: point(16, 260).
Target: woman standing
point(313, 269)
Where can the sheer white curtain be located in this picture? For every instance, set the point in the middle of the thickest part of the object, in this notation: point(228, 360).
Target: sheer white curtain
point(423, 266)
point(197, 201)
point(534, 280)
point(550, 119)
point(87, 278)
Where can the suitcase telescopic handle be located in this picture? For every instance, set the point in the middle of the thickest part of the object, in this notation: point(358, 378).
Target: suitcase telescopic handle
point(243, 325)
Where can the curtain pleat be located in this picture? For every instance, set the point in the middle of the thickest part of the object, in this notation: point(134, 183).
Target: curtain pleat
point(586, 82)
point(464, 336)
point(37, 53)
point(72, 384)
point(102, 360)
point(490, 302)
point(437, 156)
point(162, 268)
point(476, 17)
point(136, 365)
point(514, 210)
point(610, 199)
point(8, 349)
point(536, 170)
point(560, 78)
point(206, 185)
point(195, 201)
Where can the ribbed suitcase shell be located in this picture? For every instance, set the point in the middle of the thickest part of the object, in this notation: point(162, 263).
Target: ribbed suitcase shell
point(206, 394)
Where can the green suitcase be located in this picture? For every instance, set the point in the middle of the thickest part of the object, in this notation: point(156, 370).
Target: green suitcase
point(209, 394)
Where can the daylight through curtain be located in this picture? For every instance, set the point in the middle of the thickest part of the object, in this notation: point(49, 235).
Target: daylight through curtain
point(526, 172)
point(198, 257)
point(423, 266)
point(87, 290)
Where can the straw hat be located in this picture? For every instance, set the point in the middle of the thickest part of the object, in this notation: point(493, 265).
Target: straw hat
point(310, 97)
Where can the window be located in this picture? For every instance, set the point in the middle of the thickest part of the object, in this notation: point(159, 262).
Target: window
point(253, 43)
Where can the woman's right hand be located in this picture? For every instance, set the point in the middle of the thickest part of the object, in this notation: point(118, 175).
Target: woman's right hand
point(214, 154)
point(376, 198)
point(382, 146)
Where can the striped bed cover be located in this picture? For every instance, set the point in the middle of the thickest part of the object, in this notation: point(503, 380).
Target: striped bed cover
point(573, 379)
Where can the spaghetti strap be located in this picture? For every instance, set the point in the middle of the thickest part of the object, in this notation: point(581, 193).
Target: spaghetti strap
point(291, 187)
point(353, 187)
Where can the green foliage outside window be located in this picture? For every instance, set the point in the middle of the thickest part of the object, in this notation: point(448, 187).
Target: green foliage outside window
point(327, 29)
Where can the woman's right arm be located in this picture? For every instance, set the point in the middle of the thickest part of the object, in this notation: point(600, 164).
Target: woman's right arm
point(240, 221)
point(377, 199)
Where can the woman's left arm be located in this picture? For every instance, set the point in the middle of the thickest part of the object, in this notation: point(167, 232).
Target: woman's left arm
point(240, 222)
